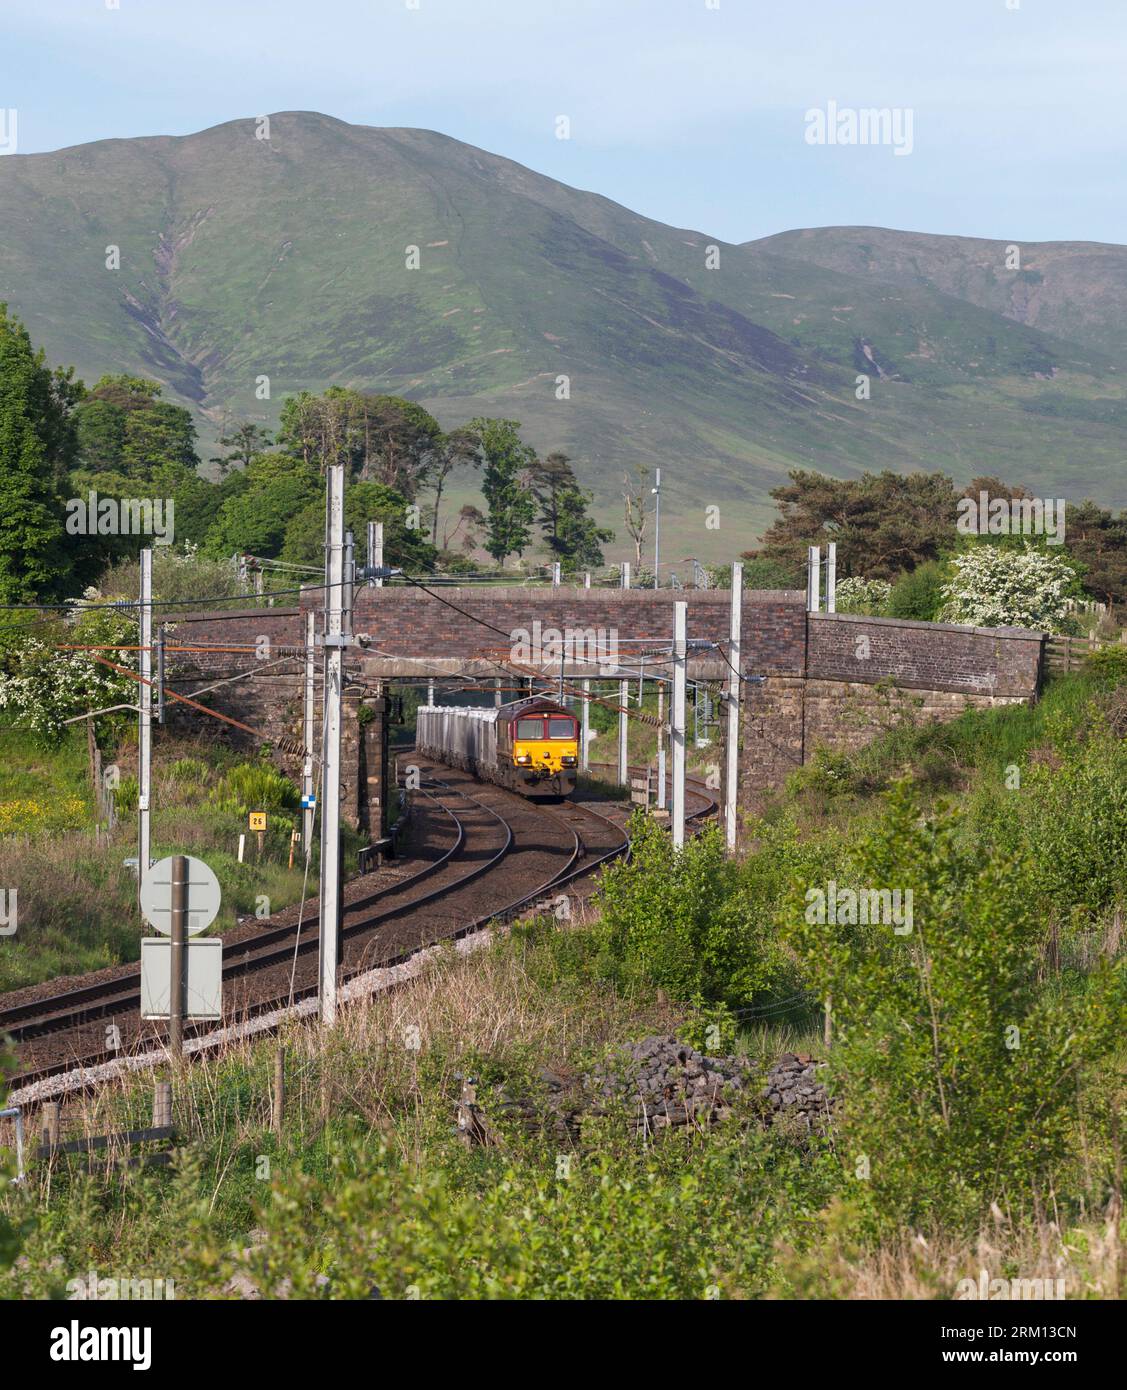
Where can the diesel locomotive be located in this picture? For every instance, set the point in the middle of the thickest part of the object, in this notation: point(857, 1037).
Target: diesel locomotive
point(530, 746)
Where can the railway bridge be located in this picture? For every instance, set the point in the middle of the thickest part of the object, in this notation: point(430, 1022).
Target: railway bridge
point(817, 678)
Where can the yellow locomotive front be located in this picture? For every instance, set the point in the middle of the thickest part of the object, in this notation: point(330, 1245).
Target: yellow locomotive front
point(543, 751)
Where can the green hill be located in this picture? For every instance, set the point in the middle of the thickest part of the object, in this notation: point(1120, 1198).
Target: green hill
point(286, 258)
point(1072, 289)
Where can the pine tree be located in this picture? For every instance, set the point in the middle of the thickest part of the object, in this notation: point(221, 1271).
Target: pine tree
point(34, 443)
point(570, 533)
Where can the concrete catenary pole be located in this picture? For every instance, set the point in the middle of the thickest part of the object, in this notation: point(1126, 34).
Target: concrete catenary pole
point(680, 618)
point(657, 528)
point(732, 742)
point(145, 722)
point(831, 577)
point(661, 788)
point(585, 713)
point(813, 578)
point(335, 626)
point(623, 698)
point(308, 714)
point(375, 551)
point(176, 970)
point(348, 589)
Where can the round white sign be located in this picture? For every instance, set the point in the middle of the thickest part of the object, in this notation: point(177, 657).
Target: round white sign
point(203, 896)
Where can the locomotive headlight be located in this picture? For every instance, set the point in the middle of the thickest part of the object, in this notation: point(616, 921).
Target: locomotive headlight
point(567, 760)
point(525, 759)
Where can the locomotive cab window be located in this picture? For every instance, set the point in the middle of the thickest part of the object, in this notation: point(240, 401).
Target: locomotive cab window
point(561, 728)
point(530, 728)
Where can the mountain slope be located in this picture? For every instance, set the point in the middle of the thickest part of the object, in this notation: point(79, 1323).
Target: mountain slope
point(286, 259)
point(1070, 289)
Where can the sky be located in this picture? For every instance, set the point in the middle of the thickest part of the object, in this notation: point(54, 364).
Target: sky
point(693, 112)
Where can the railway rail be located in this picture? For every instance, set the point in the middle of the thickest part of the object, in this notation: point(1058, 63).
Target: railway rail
point(489, 839)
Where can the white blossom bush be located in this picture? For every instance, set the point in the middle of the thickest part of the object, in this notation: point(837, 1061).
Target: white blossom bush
point(42, 686)
point(867, 596)
point(996, 587)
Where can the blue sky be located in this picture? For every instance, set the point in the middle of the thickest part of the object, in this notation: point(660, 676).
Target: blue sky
point(690, 111)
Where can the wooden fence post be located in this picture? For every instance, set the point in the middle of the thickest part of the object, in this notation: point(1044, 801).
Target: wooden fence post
point(279, 1109)
point(50, 1114)
point(162, 1105)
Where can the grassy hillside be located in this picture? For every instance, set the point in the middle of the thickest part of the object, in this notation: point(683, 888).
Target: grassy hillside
point(1076, 290)
point(287, 258)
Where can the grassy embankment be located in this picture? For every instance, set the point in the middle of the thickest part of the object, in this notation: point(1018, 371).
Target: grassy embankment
point(995, 1159)
point(76, 899)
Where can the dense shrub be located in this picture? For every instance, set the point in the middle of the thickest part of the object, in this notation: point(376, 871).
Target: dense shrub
point(957, 1070)
point(1108, 665)
point(1069, 823)
point(684, 920)
point(867, 596)
point(256, 787)
point(918, 593)
point(681, 1223)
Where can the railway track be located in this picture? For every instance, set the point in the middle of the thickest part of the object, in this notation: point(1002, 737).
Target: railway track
point(695, 788)
point(493, 839)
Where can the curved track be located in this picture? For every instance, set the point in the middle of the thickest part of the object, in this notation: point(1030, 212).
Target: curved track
point(488, 854)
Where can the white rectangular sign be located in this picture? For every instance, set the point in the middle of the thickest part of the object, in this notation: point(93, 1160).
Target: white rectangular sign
point(204, 994)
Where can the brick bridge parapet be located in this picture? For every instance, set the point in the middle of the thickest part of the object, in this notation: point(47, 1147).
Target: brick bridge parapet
point(823, 678)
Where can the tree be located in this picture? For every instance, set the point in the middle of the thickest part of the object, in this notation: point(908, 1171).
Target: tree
point(954, 1065)
point(404, 545)
point(579, 538)
point(867, 596)
point(1099, 542)
point(551, 478)
point(571, 534)
point(634, 502)
point(384, 439)
point(918, 593)
point(243, 442)
point(158, 434)
point(41, 686)
point(471, 520)
point(100, 427)
point(255, 517)
point(882, 523)
point(402, 443)
point(505, 486)
point(36, 443)
point(124, 427)
point(459, 447)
